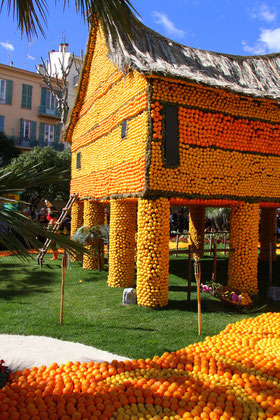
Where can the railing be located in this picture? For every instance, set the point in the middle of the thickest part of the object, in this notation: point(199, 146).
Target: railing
point(30, 144)
point(54, 113)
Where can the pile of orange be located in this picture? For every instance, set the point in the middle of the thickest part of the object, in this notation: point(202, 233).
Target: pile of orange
point(153, 252)
point(93, 216)
point(234, 375)
point(122, 243)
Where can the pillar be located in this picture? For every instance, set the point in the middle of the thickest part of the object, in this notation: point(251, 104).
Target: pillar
point(268, 231)
point(196, 229)
point(77, 218)
point(244, 239)
point(153, 252)
point(93, 216)
point(122, 243)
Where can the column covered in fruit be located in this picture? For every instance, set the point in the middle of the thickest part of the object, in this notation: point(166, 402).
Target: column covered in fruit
point(123, 215)
point(93, 216)
point(244, 238)
point(153, 252)
point(268, 230)
point(196, 228)
point(77, 216)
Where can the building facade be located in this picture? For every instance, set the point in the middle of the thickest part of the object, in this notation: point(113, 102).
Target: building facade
point(28, 112)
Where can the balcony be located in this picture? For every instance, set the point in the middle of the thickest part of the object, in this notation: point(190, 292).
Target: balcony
point(29, 144)
point(45, 112)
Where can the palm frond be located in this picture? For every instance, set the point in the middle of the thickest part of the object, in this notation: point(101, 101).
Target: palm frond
point(30, 15)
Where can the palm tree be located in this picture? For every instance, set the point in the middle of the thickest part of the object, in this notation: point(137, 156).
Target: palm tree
point(31, 15)
point(14, 225)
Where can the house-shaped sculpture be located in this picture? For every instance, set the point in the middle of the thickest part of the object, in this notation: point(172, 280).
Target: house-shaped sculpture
point(156, 124)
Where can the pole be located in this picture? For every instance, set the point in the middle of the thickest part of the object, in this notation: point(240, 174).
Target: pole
point(63, 272)
point(189, 274)
point(197, 273)
point(214, 274)
point(270, 264)
point(177, 244)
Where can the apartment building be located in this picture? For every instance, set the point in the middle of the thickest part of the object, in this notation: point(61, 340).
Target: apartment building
point(28, 111)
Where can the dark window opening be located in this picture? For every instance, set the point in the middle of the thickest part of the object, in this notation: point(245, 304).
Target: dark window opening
point(78, 162)
point(124, 129)
point(171, 146)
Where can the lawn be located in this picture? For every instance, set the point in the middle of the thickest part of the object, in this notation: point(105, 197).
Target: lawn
point(94, 314)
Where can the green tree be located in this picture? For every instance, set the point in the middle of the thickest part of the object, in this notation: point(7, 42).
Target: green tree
point(14, 224)
point(7, 150)
point(31, 15)
point(38, 160)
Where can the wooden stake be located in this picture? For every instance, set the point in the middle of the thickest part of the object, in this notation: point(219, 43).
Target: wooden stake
point(197, 273)
point(177, 244)
point(270, 264)
point(189, 274)
point(63, 273)
point(214, 274)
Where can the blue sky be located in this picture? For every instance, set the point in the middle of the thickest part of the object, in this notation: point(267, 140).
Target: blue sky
point(242, 27)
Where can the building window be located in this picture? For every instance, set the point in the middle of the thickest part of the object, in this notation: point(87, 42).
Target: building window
point(124, 129)
point(171, 145)
point(2, 91)
point(50, 102)
point(2, 119)
point(26, 129)
point(78, 161)
point(26, 96)
point(49, 133)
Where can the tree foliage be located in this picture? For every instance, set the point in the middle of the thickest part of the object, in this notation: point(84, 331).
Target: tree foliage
point(31, 15)
point(7, 150)
point(38, 160)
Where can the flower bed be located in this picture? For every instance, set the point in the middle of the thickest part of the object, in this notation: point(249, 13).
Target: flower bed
point(233, 375)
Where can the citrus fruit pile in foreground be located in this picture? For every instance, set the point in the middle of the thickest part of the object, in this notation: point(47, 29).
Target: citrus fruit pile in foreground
point(233, 375)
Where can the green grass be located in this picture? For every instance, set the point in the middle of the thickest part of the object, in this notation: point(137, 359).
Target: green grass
point(93, 314)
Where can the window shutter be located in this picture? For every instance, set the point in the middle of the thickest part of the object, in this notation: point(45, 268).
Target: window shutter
point(9, 92)
point(24, 96)
point(2, 119)
point(41, 133)
point(171, 146)
point(78, 161)
point(21, 129)
point(124, 129)
point(43, 100)
point(56, 133)
point(33, 130)
point(29, 97)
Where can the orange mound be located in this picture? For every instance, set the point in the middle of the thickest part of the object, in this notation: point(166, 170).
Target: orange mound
point(233, 375)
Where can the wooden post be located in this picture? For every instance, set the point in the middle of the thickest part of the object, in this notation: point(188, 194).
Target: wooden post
point(210, 243)
point(197, 273)
point(63, 272)
point(270, 264)
point(214, 274)
point(189, 273)
point(224, 243)
point(177, 243)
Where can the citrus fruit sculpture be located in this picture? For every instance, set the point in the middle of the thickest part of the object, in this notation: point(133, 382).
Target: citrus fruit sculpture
point(158, 122)
point(231, 376)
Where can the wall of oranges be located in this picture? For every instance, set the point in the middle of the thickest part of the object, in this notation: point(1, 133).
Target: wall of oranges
point(110, 164)
point(229, 145)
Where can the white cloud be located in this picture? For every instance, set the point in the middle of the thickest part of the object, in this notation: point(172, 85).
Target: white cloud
point(268, 42)
point(263, 12)
point(162, 19)
point(7, 45)
point(30, 57)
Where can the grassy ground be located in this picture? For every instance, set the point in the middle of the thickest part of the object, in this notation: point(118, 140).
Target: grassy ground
point(93, 314)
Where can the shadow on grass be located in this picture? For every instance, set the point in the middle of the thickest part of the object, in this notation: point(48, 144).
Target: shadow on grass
point(25, 282)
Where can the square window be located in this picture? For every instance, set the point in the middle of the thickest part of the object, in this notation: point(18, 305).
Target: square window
point(49, 133)
point(124, 129)
point(78, 161)
point(2, 91)
point(26, 129)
